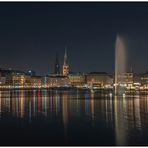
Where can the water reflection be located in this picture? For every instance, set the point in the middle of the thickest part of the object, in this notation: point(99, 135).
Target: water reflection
point(128, 119)
point(126, 116)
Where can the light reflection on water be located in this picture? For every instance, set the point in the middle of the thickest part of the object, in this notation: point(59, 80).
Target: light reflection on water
point(121, 120)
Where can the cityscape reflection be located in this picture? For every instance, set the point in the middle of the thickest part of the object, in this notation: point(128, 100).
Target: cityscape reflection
point(125, 116)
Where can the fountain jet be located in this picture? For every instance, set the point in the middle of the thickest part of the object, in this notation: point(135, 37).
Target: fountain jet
point(120, 63)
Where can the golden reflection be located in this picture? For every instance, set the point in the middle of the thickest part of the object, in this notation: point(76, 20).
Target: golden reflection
point(127, 116)
point(106, 111)
point(137, 112)
point(77, 102)
point(57, 102)
point(13, 103)
point(65, 109)
point(143, 110)
point(39, 99)
point(45, 102)
point(22, 103)
point(17, 104)
point(111, 108)
point(34, 102)
point(65, 113)
point(119, 122)
point(125, 113)
point(5, 96)
point(30, 112)
point(51, 103)
point(92, 106)
point(43, 96)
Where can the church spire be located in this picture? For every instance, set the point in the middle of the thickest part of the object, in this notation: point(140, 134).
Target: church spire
point(65, 65)
point(65, 57)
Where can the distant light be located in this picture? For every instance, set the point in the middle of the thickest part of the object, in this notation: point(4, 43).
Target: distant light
point(137, 83)
point(124, 95)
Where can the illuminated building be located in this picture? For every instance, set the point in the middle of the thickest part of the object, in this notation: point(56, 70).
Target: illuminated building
point(144, 80)
point(6, 76)
point(99, 80)
point(36, 81)
point(126, 79)
point(57, 66)
point(58, 81)
point(65, 65)
point(137, 81)
point(77, 79)
point(20, 79)
point(2, 80)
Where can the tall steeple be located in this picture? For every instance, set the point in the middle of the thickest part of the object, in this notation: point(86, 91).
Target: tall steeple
point(65, 65)
point(65, 57)
point(57, 65)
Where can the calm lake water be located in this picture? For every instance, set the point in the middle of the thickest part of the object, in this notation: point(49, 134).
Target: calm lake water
point(41, 117)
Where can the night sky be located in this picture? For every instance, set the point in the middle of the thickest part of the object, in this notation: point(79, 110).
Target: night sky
point(32, 33)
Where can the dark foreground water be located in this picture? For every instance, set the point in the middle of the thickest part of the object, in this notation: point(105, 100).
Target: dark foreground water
point(41, 117)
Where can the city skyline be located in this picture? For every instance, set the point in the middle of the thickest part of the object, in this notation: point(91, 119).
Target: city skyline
point(73, 74)
point(32, 33)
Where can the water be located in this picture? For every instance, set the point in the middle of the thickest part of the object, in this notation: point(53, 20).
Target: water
point(41, 117)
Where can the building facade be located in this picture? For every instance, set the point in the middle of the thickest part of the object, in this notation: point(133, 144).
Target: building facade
point(57, 81)
point(144, 80)
point(77, 80)
point(36, 81)
point(126, 79)
point(99, 80)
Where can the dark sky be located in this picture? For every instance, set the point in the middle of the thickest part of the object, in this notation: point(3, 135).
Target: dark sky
point(32, 33)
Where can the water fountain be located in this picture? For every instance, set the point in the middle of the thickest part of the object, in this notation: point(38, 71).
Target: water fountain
point(120, 64)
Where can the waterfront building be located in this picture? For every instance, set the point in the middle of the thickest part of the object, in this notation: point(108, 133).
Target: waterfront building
point(65, 65)
point(144, 80)
point(6, 78)
point(36, 81)
point(137, 81)
point(77, 80)
point(58, 81)
point(45, 81)
point(21, 80)
point(2, 80)
point(126, 79)
point(99, 80)
point(8, 74)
